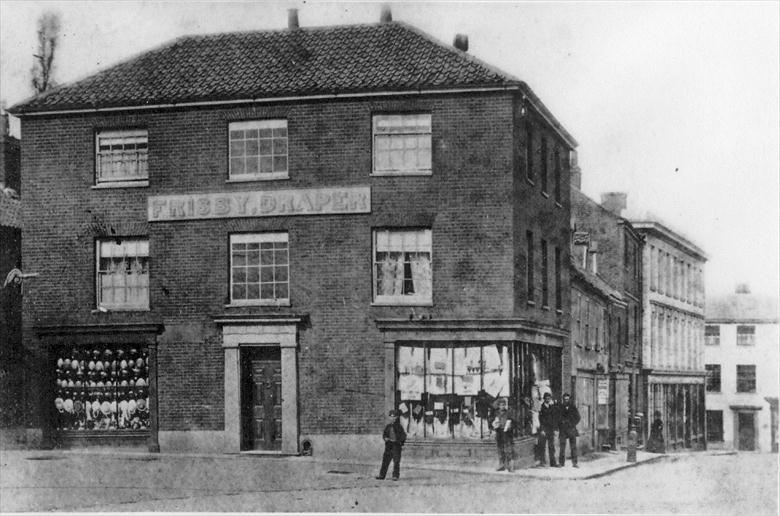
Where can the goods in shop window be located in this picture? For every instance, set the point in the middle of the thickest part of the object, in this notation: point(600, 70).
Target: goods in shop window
point(98, 366)
point(66, 363)
point(139, 362)
point(60, 362)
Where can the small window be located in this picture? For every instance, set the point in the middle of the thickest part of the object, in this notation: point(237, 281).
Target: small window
point(259, 269)
point(746, 335)
point(121, 156)
point(402, 144)
point(558, 291)
point(123, 274)
point(746, 378)
point(543, 164)
point(711, 335)
point(713, 377)
point(258, 150)
point(715, 425)
point(529, 153)
point(402, 266)
point(557, 180)
point(529, 270)
point(545, 279)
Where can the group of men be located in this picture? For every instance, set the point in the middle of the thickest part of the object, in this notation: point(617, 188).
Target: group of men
point(564, 418)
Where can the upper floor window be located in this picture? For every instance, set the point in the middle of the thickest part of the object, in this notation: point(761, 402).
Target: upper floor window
point(711, 335)
point(529, 268)
point(529, 153)
point(402, 266)
point(746, 335)
point(121, 156)
point(402, 144)
point(259, 269)
point(557, 180)
point(123, 274)
point(543, 164)
point(746, 378)
point(258, 150)
point(713, 377)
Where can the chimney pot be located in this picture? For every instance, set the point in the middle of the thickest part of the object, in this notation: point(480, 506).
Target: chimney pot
point(386, 16)
point(614, 202)
point(742, 288)
point(461, 42)
point(292, 19)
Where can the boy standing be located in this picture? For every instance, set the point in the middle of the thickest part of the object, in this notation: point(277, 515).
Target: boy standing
point(394, 437)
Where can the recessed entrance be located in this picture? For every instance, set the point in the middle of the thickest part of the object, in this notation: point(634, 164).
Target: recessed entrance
point(261, 398)
point(747, 431)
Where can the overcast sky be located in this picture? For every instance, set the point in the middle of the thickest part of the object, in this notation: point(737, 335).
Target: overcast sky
point(676, 104)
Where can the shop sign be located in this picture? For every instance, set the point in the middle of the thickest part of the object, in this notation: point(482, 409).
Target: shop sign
point(603, 391)
point(314, 201)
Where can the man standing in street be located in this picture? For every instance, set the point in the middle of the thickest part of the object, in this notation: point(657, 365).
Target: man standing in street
point(567, 430)
point(502, 426)
point(394, 437)
point(548, 423)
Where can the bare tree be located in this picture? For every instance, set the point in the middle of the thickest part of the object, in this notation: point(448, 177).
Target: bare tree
point(48, 35)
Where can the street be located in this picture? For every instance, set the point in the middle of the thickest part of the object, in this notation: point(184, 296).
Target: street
point(696, 483)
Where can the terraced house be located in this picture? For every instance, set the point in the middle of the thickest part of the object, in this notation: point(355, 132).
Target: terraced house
point(263, 241)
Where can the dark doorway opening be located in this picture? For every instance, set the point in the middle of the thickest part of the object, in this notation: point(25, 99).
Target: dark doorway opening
point(261, 398)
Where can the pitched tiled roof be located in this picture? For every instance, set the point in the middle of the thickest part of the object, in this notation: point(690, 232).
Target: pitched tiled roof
point(251, 65)
point(742, 308)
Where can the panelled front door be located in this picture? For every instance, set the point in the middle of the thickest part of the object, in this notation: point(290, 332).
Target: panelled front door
point(747, 431)
point(261, 400)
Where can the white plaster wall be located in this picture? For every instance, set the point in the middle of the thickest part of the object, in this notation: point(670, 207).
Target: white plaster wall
point(765, 355)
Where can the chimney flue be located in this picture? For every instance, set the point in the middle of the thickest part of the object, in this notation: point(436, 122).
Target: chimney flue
point(292, 19)
point(461, 42)
point(386, 16)
point(614, 202)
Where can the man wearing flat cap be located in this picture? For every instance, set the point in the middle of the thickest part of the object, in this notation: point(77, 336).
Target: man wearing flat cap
point(394, 437)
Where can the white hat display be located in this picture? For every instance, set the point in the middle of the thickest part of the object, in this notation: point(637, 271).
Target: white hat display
point(131, 406)
point(113, 407)
point(58, 403)
point(105, 408)
point(68, 405)
point(60, 362)
point(139, 362)
point(140, 383)
point(91, 365)
point(95, 407)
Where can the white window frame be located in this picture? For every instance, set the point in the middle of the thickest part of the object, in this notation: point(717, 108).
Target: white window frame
point(124, 137)
point(142, 250)
point(272, 124)
point(746, 338)
point(260, 238)
point(391, 126)
point(413, 241)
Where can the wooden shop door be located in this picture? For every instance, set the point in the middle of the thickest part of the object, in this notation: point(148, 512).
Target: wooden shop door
point(261, 399)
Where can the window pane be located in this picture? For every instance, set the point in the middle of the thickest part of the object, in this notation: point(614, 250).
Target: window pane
point(282, 291)
point(252, 275)
point(252, 291)
point(267, 291)
point(239, 291)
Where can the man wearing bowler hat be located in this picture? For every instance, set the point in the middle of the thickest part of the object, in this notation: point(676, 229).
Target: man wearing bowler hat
point(548, 424)
point(567, 430)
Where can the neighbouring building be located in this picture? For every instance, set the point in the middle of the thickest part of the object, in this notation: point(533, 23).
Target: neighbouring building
point(673, 338)
point(12, 365)
point(742, 358)
point(592, 302)
point(266, 240)
point(618, 247)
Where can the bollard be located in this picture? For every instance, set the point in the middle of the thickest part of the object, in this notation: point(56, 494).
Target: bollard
point(631, 446)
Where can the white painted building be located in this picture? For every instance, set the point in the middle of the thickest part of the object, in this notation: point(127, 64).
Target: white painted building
point(742, 357)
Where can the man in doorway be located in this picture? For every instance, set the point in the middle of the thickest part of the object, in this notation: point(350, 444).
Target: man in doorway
point(567, 430)
point(548, 423)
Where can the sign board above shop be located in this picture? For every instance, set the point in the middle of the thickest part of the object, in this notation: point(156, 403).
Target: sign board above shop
point(273, 203)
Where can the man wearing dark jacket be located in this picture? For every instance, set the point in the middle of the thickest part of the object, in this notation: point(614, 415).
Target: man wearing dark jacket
point(569, 416)
point(394, 437)
point(548, 423)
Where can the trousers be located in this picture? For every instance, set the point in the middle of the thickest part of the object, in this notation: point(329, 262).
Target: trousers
point(562, 438)
point(392, 452)
point(547, 439)
point(506, 449)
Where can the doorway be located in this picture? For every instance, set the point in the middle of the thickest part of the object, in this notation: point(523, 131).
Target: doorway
point(261, 398)
point(746, 431)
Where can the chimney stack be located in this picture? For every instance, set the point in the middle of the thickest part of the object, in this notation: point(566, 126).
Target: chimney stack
point(292, 19)
point(386, 16)
point(742, 288)
point(614, 202)
point(461, 42)
point(575, 172)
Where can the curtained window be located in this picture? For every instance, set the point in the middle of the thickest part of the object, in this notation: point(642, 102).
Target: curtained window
point(402, 266)
point(121, 156)
point(123, 274)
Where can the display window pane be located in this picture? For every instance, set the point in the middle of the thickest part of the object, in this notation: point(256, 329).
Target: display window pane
point(102, 389)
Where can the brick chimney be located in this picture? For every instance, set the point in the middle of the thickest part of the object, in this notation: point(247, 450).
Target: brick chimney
point(386, 16)
point(742, 288)
point(292, 19)
point(614, 202)
point(461, 42)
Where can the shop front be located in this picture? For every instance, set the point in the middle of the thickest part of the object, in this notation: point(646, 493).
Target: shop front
point(679, 403)
point(99, 385)
point(445, 376)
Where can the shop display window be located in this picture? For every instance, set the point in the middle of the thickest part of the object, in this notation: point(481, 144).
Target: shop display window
point(448, 390)
point(102, 389)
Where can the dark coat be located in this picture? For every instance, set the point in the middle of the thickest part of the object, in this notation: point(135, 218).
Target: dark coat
point(549, 417)
point(400, 434)
point(569, 417)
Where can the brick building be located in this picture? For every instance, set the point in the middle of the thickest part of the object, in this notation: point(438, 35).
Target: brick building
point(742, 360)
point(673, 340)
point(265, 240)
point(618, 247)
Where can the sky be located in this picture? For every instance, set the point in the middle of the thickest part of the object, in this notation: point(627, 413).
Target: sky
point(675, 103)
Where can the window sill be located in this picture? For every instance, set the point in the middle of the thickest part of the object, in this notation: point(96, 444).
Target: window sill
point(545, 194)
point(107, 310)
point(529, 181)
point(402, 303)
point(558, 204)
point(559, 311)
point(422, 173)
point(545, 307)
point(285, 304)
point(530, 303)
point(251, 179)
point(120, 184)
